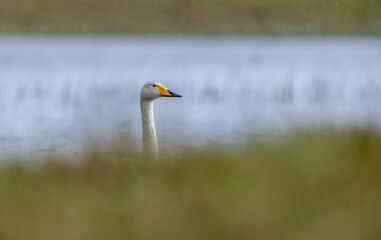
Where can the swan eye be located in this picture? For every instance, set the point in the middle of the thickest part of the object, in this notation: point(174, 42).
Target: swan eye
point(154, 85)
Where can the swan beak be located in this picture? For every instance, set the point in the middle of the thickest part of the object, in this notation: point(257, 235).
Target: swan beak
point(166, 93)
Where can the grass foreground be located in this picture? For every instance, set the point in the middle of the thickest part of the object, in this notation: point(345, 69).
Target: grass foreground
point(314, 185)
point(351, 17)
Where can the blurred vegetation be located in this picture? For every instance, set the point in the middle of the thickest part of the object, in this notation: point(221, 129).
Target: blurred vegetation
point(312, 185)
point(191, 16)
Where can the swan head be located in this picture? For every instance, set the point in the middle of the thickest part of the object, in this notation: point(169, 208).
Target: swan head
point(154, 90)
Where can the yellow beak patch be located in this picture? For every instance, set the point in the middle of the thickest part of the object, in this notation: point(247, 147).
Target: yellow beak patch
point(163, 91)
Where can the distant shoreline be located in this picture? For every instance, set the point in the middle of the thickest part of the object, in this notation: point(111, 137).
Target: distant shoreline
point(197, 17)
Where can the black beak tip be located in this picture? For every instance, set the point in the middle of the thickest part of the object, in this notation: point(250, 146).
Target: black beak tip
point(174, 94)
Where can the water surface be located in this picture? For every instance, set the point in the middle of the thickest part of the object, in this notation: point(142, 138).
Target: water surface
point(56, 92)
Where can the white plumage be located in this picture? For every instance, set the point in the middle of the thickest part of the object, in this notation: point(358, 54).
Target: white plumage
point(150, 92)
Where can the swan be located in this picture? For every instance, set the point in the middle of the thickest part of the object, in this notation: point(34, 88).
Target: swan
point(150, 92)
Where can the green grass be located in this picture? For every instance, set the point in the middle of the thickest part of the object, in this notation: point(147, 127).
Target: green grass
point(314, 185)
point(191, 16)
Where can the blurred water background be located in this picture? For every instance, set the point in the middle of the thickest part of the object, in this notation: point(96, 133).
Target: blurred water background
point(57, 92)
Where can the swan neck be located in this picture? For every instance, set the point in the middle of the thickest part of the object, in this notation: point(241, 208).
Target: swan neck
point(150, 149)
